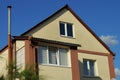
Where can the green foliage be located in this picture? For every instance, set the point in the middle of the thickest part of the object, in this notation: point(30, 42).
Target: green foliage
point(27, 74)
point(2, 78)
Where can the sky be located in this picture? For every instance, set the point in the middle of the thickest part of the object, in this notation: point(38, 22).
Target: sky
point(102, 16)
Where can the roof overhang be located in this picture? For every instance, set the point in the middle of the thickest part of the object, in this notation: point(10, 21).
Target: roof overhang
point(35, 40)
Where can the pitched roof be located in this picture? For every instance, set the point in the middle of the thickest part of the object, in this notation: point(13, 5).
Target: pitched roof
point(65, 7)
point(79, 19)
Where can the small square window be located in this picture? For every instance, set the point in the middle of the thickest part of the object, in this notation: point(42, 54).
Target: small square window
point(62, 29)
point(89, 68)
point(66, 29)
point(69, 30)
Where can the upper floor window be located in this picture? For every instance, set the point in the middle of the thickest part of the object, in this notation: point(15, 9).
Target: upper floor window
point(66, 29)
point(89, 67)
point(53, 55)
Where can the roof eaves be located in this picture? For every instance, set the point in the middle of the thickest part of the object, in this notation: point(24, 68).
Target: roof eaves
point(21, 37)
point(54, 42)
point(44, 40)
point(4, 48)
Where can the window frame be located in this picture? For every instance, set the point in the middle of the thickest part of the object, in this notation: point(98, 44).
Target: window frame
point(66, 31)
point(88, 67)
point(57, 56)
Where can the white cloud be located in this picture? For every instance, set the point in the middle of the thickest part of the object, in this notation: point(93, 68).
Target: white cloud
point(117, 72)
point(109, 40)
point(113, 79)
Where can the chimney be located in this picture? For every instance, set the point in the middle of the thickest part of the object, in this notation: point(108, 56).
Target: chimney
point(9, 19)
point(10, 55)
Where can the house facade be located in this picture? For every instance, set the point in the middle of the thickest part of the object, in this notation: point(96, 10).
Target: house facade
point(63, 47)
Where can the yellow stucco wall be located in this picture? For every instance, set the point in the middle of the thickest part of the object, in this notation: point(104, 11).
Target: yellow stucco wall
point(4, 57)
point(101, 66)
point(50, 30)
point(19, 44)
point(3, 62)
point(55, 72)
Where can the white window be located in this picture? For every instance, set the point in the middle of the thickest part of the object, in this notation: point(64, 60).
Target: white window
point(53, 55)
point(89, 67)
point(43, 54)
point(66, 29)
point(20, 57)
point(63, 56)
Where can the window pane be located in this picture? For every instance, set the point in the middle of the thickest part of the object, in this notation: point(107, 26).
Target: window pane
point(20, 60)
point(85, 68)
point(69, 30)
point(52, 55)
point(88, 66)
point(62, 29)
point(42, 54)
point(63, 56)
point(91, 63)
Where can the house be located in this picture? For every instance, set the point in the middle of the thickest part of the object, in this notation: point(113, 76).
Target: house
point(64, 48)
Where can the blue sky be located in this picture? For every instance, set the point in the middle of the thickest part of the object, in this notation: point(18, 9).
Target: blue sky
point(102, 16)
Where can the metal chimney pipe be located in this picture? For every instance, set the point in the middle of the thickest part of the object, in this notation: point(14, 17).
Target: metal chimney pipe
point(9, 19)
point(10, 54)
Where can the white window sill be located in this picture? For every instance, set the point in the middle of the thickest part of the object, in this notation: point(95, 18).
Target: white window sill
point(67, 36)
point(90, 76)
point(55, 65)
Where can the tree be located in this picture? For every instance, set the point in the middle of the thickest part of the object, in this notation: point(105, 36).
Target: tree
point(27, 74)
